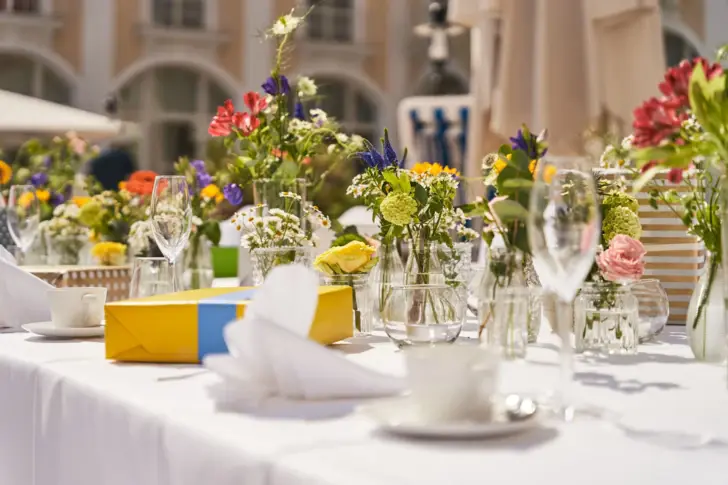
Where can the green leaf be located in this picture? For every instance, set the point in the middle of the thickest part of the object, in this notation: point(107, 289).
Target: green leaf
point(518, 184)
point(212, 232)
point(421, 194)
point(644, 179)
point(508, 211)
point(404, 182)
point(520, 160)
point(392, 179)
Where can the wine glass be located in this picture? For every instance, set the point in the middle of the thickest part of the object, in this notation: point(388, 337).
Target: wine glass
point(563, 231)
point(171, 215)
point(23, 216)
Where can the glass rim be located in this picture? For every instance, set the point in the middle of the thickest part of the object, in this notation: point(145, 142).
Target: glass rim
point(281, 248)
point(150, 258)
point(267, 180)
point(419, 286)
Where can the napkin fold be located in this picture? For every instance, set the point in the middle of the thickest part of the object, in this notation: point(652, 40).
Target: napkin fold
point(23, 296)
point(272, 357)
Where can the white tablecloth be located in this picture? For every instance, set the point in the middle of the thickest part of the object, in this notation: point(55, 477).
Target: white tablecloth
point(69, 417)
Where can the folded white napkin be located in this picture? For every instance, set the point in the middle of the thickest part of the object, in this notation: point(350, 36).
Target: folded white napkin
point(272, 357)
point(23, 296)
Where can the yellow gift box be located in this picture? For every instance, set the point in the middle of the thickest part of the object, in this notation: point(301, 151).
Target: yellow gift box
point(184, 327)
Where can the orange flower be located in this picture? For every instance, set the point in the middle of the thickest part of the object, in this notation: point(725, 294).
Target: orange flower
point(80, 201)
point(122, 185)
point(141, 182)
point(5, 172)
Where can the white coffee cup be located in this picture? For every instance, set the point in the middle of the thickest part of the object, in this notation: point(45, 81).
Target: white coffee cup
point(77, 307)
point(452, 382)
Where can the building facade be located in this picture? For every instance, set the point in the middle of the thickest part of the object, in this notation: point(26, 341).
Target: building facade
point(171, 62)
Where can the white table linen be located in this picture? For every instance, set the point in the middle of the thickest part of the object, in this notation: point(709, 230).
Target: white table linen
point(69, 417)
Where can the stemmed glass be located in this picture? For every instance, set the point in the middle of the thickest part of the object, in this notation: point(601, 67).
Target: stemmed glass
point(171, 215)
point(563, 229)
point(23, 216)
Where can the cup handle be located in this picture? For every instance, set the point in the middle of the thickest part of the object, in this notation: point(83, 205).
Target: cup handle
point(88, 299)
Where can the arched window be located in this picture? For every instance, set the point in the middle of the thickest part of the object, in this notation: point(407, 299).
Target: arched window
point(677, 48)
point(175, 105)
point(350, 106)
point(20, 6)
point(26, 75)
point(331, 20)
point(179, 13)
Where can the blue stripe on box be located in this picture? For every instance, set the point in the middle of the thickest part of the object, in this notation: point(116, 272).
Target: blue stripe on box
point(212, 316)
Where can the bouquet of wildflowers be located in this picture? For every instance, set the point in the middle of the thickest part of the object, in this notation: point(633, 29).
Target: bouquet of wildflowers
point(277, 136)
point(66, 234)
point(51, 168)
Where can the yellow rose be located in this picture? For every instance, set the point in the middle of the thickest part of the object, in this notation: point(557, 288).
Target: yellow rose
point(355, 257)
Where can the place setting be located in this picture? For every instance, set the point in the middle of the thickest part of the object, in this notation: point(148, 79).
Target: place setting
point(75, 313)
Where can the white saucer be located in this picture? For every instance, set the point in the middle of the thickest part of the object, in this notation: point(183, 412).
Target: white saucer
point(399, 416)
point(47, 329)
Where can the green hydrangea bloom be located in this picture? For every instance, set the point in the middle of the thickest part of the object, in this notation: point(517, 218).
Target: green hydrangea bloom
point(621, 220)
point(398, 208)
point(620, 199)
point(91, 213)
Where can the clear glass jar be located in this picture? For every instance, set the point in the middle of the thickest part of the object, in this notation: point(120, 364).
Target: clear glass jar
point(505, 271)
point(653, 308)
point(152, 276)
point(456, 261)
point(508, 332)
point(388, 271)
point(362, 316)
point(66, 250)
point(198, 272)
point(705, 324)
point(266, 192)
point(605, 319)
point(423, 314)
point(422, 260)
point(263, 260)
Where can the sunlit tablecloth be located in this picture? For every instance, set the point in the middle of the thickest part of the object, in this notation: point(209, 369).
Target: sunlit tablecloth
point(69, 417)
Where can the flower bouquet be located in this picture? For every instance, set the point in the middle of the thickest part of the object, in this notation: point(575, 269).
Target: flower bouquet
point(685, 134)
point(66, 235)
point(349, 265)
point(278, 135)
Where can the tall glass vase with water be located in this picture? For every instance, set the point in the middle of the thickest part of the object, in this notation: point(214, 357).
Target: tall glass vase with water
point(563, 230)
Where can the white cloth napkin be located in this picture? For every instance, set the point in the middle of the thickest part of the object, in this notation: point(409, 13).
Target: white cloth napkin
point(272, 357)
point(23, 296)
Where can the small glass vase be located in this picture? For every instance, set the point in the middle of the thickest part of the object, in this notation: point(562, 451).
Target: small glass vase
point(66, 250)
point(362, 317)
point(266, 193)
point(456, 261)
point(653, 308)
point(705, 324)
point(152, 276)
point(198, 272)
point(606, 319)
point(423, 314)
point(422, 260)
point(263, 260)
point(388, 271)
point(506, 270)
point(508, 333)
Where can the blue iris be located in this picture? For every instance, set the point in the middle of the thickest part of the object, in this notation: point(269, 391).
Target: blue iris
point(39, 179)
point(298, 112)
point(528, 142)
point(273, 87)
point(380, 161)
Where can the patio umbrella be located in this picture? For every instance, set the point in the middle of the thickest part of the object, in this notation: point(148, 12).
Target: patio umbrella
point(565, 63)
point(23, 117)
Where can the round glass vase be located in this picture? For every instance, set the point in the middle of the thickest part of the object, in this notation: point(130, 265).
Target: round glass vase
point(267, 194)
point(66, 250)
point(506, 271)
point(705, 324)
point(263, 260)
point(423, 314)
point(423, 259)
point(388, 271)
point(362, 315)
point(606, 319)
point(197, 263)
point(653, 308)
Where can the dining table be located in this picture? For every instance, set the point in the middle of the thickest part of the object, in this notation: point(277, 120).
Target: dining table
point(69, 416)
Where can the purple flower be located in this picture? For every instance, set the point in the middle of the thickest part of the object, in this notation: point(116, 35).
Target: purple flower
point(529, 143)
point(298, 112)
point(387, 158)
point(233, 194)
point(39, 179)
point(57, 199)
point(273, 87)
point(198, 165)
point(203, 179)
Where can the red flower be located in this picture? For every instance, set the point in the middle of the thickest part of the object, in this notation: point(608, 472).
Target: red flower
point(141, 182)
point(245, 123)
point(677, 81)
point(255, 102)
point(221, 124)
point(648, 165)
point(654, 122)
point(675, 175)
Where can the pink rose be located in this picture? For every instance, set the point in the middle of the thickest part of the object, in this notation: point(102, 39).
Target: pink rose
point(623, 261)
